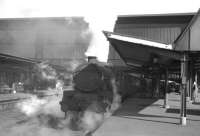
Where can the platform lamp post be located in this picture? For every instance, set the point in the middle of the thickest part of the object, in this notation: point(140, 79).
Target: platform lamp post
point(184, 72)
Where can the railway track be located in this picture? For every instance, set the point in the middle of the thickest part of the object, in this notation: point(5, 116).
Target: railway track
point(8, 103)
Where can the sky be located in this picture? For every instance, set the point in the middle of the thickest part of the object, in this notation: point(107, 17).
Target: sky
point(101, 14)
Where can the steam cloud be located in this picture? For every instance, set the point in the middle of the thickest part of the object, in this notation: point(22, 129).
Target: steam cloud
point(45, 71)
point(44, 117)
point(116, 98)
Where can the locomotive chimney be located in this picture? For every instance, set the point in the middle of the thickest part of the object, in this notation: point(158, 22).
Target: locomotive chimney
point(92, 59)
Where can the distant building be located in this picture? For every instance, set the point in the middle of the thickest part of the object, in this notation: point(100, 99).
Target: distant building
point(24, 42)
point(57, 39)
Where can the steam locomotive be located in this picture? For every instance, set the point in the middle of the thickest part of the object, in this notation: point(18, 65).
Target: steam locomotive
point(92, 88)
point(97, 88)
point(94, 85)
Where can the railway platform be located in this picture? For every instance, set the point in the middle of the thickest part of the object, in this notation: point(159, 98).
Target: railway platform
point(147, 117)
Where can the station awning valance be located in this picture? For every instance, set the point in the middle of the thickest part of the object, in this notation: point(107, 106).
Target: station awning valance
point(8, 59)
point(139, 52)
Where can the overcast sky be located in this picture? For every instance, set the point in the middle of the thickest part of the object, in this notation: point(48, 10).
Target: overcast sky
point(100, 14)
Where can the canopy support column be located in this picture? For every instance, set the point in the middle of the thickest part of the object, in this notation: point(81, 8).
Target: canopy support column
point(191, 79)
point(184, 73)
point(166, 90)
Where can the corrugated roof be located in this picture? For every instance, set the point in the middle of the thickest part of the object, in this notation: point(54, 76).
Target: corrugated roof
point(187, 27)
point(159, 15)
point(175, 18)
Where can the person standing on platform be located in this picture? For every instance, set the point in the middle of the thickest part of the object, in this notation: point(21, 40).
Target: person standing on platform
point(195, 92)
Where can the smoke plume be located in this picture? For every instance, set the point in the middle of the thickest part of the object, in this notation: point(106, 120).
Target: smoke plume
point(44, 71)
point(55, 80)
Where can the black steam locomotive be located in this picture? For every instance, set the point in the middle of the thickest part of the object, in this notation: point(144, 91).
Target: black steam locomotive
point(97, 88)
point(92, 89)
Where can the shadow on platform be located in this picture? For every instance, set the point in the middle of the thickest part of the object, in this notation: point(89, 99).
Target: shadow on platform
point(131, 110)
point(189, 111)
point(150, 120)
point(196, 103)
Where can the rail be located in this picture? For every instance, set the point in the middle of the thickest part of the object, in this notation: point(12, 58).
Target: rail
point(9, 104)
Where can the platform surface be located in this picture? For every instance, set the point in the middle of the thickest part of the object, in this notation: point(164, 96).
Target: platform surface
point(147, 117)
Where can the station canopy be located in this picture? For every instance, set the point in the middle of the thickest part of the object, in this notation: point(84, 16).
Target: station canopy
point(6, 58)
point(139, 53)
point(15, 62)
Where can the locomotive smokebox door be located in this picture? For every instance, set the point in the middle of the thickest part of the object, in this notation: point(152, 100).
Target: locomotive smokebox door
point(89, 79)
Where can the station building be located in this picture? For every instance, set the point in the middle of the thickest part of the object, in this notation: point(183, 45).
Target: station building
point(177, 31)
point(159, 47)
point(161, 28)
point(14, 69)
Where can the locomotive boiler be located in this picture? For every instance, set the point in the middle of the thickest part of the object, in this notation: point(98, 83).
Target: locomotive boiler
point(92, 88)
